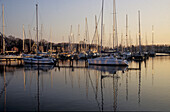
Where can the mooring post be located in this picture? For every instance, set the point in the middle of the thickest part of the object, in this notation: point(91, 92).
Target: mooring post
point(76, 61)
point(71, 62)
point(86, 63)
point(6, 61)
point(139, 65)
point(21, 62)
point(18, 61)
point(9, 61)
point(57, 63)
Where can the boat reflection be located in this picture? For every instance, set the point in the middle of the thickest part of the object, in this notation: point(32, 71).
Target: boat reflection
point(104, 80)
point(110, 69)
point(108, 86)
point(38, 67)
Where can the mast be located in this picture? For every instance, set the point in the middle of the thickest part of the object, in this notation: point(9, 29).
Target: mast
point(130, 42)
point(86, 34)
point(30, 37)
point(37, 26)
point(41, 33)
point(104, 35)
point(102, 25)
point(127, 32)
point(3, 31)
point(23, 37)
point(152, 36)
point(115, 26)
point(70, 39)
point(136, 42)
point(51, 41)
point(122, 42)
point(146, 42)
point(113, 23)
point(63, 44)
point(78, 38)
point(97, 34)
point(140, 49)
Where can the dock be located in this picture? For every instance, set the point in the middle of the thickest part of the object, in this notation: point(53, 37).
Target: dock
point(71, 64)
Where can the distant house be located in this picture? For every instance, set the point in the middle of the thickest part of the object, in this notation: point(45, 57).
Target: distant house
point(41, 48)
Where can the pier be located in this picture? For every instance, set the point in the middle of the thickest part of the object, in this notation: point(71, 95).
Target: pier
point(8, 59)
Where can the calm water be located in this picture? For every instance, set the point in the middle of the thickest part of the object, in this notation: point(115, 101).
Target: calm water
point(94, 88)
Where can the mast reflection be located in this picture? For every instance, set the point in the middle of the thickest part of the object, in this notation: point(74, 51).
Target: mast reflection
point(152, 71)
point(4, 90)
point(139, 90)
point(113, 73)
point(43, 68)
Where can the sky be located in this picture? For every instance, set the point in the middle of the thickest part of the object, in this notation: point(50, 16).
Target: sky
point(57, 16)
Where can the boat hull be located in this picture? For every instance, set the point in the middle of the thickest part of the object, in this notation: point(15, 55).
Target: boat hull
point(152, 54)
point(38, 61)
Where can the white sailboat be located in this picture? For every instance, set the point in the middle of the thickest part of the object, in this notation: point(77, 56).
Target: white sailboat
point(38, 59)
point(108, 60)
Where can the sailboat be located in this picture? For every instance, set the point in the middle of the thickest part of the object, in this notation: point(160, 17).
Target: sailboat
point(139, 55)
point(107, 60)
point(37, 59)
point(127, 55)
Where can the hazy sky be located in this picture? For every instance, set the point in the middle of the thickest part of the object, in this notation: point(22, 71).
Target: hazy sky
point(59, 15)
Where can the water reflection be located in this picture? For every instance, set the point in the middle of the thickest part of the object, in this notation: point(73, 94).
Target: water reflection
point(5, 84)
point(139, 91)
point(38, 67)
point(152, 70)
point(101, 73)
point(110, 69)
point(101, 88)
point(114, 75)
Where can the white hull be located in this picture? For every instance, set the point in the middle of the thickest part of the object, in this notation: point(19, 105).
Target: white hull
point(127, 55)
point(82, 55)
point(110, 61)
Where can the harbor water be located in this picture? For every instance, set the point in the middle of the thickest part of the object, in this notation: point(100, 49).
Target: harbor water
point(141, 86)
